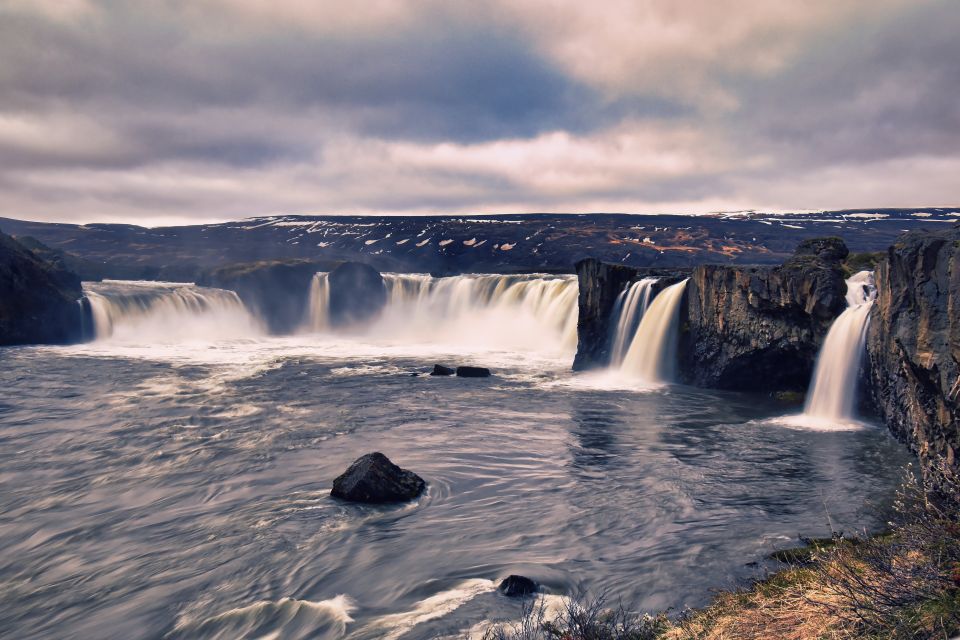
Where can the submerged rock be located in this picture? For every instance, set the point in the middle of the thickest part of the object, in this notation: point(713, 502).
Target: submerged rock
point(518, 586)
point(373, 479)
point(440, 370)
point(473, 372)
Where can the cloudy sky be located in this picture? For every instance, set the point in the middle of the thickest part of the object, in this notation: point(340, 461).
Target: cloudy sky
point(153, 111)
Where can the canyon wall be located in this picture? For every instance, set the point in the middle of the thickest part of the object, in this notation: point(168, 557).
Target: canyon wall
point(913, 345)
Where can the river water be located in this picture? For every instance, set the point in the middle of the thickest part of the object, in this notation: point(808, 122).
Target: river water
point(179, 488)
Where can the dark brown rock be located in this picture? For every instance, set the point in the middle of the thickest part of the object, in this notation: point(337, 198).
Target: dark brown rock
point(518, 587)
point(374, 479)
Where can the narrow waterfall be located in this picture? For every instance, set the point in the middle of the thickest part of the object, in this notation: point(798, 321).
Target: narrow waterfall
point(628, 310)
point(530, 311)
point(318, 307)
point(652, 355)
point(149, 312)
point(833, 390)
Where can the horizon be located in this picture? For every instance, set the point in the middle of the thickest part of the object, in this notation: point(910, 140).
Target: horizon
point(222, 110)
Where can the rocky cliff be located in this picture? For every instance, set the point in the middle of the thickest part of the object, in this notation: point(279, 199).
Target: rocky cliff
point(760, 328)
point(277, 292)
point(913, 344)
point(357, 294)
point(39, 300)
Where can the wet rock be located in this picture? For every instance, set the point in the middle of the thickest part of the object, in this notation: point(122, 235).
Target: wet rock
point(518, 586)
point(440, 370)
point(473, 372)
point(40, 300)
point(374, 479)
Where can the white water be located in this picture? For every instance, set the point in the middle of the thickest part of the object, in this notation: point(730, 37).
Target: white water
point(526, 312)
point(157, 312)
point(652, 354)
point(833, 391)
point(628, 311)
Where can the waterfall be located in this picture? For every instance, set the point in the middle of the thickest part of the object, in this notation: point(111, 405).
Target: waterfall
point(652, 354)
point(526, 311)
point(318, 308)
point(148, 312)
point(833, 390)
point(628, 310)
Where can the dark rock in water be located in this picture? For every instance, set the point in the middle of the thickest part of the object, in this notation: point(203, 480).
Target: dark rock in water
point(277, 292)
point(473, 372)
point(40, 301)
point(357, 293)
point(599, 285)
point(518, 587)
point(373, 479)
point(760, 328)
point(440, 370)
point(913, 346)
point(793, 398)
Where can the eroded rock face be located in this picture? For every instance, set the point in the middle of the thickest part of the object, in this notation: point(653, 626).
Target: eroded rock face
point(373, 479)
point(277, 292)
point(357, 294)
point(39, 300)
point(760, 328)
point(599, 285)
point(913, 344)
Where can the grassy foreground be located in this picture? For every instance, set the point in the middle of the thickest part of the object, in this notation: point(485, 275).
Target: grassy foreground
point(902, 584)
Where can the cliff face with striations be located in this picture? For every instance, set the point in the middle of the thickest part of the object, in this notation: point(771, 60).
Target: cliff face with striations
point(760, 328)
point(913, 344)
point(39, 300)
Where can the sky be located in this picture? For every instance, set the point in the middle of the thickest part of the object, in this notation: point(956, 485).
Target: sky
point(178, 111)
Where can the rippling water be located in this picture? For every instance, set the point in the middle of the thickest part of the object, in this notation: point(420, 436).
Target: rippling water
point(181, 491)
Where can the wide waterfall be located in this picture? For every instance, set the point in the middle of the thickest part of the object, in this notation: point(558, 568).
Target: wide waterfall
point(628, 310)
point(534, 311)
point(833, 391)
point(652, 355)
point(150, 312)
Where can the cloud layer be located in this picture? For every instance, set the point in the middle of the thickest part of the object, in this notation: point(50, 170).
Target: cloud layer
point(160, 111)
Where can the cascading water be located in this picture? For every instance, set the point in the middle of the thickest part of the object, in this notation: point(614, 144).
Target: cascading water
point(833, 391)
point(318, 307)
point(652, 354)
point(150, 312)
point(501, 311)
point(628, 311)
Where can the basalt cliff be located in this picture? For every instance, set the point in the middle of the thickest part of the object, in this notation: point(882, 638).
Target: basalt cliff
point(913, 345)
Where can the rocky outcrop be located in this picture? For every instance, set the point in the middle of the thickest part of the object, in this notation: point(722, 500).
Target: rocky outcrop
point(599, 285)
point(472, 372)
point(441, 370)
point(373, 479)
point(518, 586)
point(357, 294)
point(277, 292)
point(40, 301)
point(913, 345)
point(760, 328)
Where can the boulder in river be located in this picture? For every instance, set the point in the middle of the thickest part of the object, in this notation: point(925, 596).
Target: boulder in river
point(440, 370)
point(373, 479)
point(473, 372)
point(518, 586)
